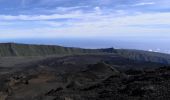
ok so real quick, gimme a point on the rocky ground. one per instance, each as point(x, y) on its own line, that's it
point(85, 77)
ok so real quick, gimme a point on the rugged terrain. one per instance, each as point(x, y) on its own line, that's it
point(38, 72)
point(29, 50)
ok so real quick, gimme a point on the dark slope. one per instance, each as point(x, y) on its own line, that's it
point(17, 50)
point(139, 55)
point(12, 49)
point(85, 77)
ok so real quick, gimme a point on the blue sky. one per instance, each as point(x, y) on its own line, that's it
point(137, 20)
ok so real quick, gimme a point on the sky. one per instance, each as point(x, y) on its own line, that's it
point(134, 24)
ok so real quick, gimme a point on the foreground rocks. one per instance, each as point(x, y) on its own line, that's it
point(72, 78)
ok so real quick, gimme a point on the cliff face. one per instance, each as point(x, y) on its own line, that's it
point(11, 49)
point(17, 50)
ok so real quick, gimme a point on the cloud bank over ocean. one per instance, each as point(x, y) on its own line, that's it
point(83, 19)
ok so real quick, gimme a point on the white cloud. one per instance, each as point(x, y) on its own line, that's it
point(72, 15)
point(98, 10)
point(70, 8)
point(90, 24)
point(144, 3)
point(39, 17)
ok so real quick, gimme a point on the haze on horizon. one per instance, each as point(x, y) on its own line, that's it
point(138, 24)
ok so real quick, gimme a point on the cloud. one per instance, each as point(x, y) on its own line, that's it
point(39, 17)
point(61, 13)
point(144, 3)
point(86, 21)
point(89, 25)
